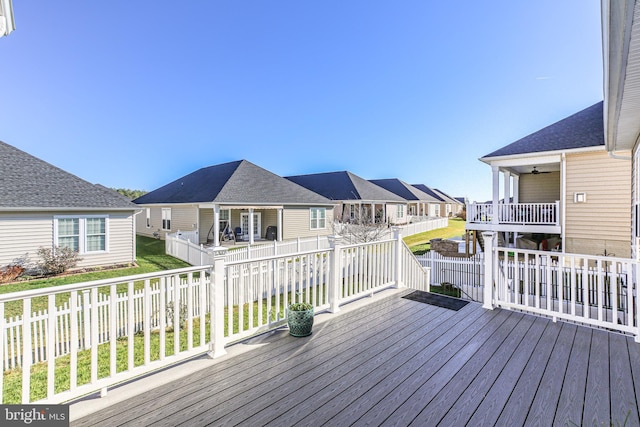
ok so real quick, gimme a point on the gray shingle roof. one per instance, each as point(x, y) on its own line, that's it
point(344, 185)
point(430, 191)
point(27, 182)
point(239, 182)
point(404, 190)
point(583, 129)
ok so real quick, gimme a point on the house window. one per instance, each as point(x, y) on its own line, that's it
point(318, 218)
point(69, 233)
point(166, 218)
point(225, 219)
point(352, 211)
point(400, 211)
point(82, 234)
point(148, 217)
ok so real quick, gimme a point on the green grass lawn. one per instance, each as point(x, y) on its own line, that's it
point(419, 243)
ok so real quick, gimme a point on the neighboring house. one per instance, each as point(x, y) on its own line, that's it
point(418, 202)
point(7, 23)
point(621, 55)
point(455, 207)
point(355, 198)
point(44, 206)
point(565, 191)
point(239, 197)
point(442, 205)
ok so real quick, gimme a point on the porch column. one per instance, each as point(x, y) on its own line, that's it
point(507, 186)
point(496, 193)
point(216, 226)
point(516, 188)
point(280, 224)
point(373, 213)
point(251, 226)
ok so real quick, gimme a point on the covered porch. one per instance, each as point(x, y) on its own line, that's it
point(228, 225)
point(526, 194)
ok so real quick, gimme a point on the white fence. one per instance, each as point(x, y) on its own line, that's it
point(91, 335)
point(425, 224)
point(465, 274)
point(179, 247)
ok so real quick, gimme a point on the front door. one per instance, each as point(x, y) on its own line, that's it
point(257, 226)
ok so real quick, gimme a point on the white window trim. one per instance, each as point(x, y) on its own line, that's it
point(162, 219)
point(318, 218)
point(400, 211)
point(82, 244)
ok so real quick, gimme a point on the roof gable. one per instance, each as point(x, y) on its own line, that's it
point(581, 130)
point(344, 186)
point(29, 182)
point(239, 182)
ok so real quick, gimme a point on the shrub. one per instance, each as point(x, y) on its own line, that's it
point(57, 260)
point(13, 270)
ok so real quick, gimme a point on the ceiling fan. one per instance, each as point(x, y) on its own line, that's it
point(535, 171)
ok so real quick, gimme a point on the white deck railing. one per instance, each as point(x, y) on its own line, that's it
point(89, 336)
point(515, 213)
point(593, 290)
point(463, 273)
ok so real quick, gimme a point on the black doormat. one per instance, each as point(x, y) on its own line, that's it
point(437, 300)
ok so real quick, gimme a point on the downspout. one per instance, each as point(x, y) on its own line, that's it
point(563, 201)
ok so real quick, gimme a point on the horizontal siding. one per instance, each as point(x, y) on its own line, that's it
point(604, 219)
point(21, 234)
point(540, 188)
point(184, 218)
point(25, 233)
point(296, 223)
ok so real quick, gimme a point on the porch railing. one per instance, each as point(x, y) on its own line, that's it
point(79, 338)
point(593, 290)
point(515, 213)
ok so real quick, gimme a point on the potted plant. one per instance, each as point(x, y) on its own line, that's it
point(300, 319)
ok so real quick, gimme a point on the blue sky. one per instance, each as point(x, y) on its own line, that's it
point(135, 94)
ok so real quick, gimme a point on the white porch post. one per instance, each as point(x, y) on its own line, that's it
point(516, 188)
point(496, 193)
point(216, 302)
point(397, 235)
point(489, 243)
point(251, 226)
point(280, 224)
point(373, 213)
point(216, 226)
point(334, 264)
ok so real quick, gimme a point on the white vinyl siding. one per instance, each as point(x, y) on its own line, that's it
point(603, 222)
point(148, 217)
point(295, 223)
point(24, 233)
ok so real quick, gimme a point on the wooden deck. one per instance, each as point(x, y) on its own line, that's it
point(401, 362)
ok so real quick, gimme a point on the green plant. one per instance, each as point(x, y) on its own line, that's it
point(300, 306)
point(57, 260)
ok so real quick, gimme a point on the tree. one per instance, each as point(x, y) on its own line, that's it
point(360, 229)
point(131, 194)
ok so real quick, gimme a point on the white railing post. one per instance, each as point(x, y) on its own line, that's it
point(636, 283)
point(335, 271)
point(86, 320)
point(397, 235)
point(216, 303)
point(489, 242)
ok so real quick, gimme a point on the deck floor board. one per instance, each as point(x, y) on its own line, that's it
point(397, 362)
